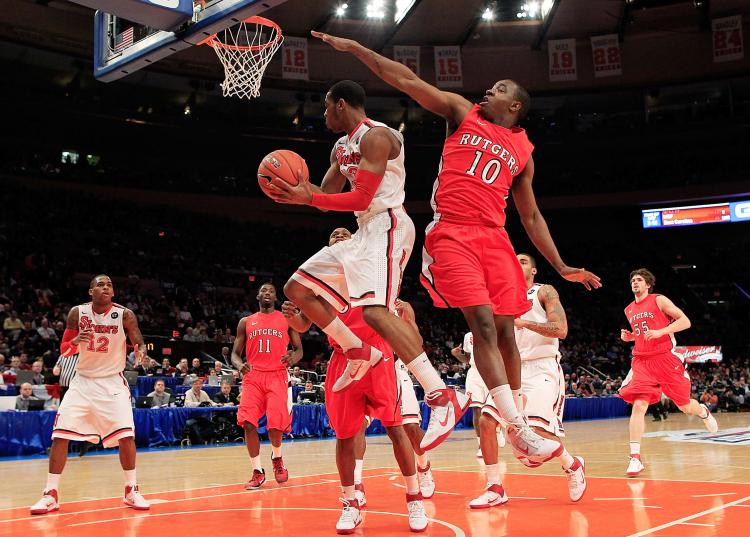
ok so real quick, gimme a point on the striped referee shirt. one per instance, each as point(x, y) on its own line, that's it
point(67, 365)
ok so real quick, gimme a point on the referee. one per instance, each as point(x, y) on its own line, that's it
point(65, 368)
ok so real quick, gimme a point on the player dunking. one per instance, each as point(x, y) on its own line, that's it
point(97, 404)
point(468, 260)
point(376, 395)
point(265, 336)
point(365, 271)
point(656, 368)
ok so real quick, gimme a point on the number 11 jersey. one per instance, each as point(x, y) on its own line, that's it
point(267, 340)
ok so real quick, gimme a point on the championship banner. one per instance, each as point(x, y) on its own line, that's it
point(294, 58)
point(727, 39)
point(408, 55)
point(448, 73)
point(700, 354)
point(562, 59)
point(605, 50)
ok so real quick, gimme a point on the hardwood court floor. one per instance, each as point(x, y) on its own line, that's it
point(688, 489)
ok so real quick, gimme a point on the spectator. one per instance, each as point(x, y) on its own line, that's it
point(15, 365)
point(165, 369)
point(47, 333)
point(189, 335)
point(217, 370)
point(3, 365)
point(225, 397)
point(182, 369)
point(22, 401)
point(144, 368)
point(226, 356)
point(160, 397)
point(195, 396)
point(12, 325)
point(196, 368)
point(38, 378)
point(296, 377)
point(308, 395)
point(710, 399)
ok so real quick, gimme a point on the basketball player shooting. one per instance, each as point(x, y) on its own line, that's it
point(96, 406)
point(468, 260)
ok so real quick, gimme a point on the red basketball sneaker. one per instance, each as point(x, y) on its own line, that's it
point(258, 478)
point(279, 471)
point(358, 363)
point(447, 406)
point(494, 495)
point(46, 504)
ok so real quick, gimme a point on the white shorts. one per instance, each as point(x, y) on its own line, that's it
point(95, 409)
point(476, 387)
point(365, 270)
point(409, 405)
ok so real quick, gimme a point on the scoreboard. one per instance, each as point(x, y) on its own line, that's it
point(692, 215)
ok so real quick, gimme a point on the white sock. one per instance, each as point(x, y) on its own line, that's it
point(505, 403)
point(425, 374)
point(342, 335)
point(518, 398)
point(347, 492)
point(275, 451)
point(479, 442)
point(358, 464)
point(53, 482)
point(493, 473)
point(256, 463)
point(566, 459)
point(412, 484)
point(635, 448)
point(130, 477)
point(703, 409)
point(423, 460)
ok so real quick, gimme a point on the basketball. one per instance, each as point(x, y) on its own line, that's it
point(284, 164)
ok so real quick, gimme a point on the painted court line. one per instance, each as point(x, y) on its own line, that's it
point(631, 498)
point(696, 524)
point(687, 518)
point(717, 494)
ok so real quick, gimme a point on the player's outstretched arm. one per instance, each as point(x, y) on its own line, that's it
point(557, 322)
point(238, 347)
point(296, 319)
point(537, 230)
point(680, 320)
point(295, 355)
point(451, 106)
point(130, 323)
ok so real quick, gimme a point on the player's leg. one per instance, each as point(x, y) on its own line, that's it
point(280, 473)
point(404, 453)
point(360, 446)
point(675, 384)
point(58, 456)
point(351, 516)
point(252, 441)
point(494, 493)
point(133, 497)
point(278, 411)
point(477, 413)
point(636, 427)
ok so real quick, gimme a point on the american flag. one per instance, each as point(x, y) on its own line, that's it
point(124, 40)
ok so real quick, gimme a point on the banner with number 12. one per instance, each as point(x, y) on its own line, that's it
point(294, 58)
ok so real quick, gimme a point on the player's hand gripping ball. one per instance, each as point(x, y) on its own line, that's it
point(282, 164)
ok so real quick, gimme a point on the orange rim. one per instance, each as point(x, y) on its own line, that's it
point(214, 42)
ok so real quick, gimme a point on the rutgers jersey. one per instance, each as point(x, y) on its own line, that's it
point(353, 320)
point(104, 355)
point(477, 168)
point(267, 340)
point(390, 193)
point(532, 346)
point(644, 316)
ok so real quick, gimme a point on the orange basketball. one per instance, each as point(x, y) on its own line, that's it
point(284, 164)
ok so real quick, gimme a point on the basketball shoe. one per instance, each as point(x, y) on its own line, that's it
point(358, 363)
point(709, 421)
point(46, 504)
point(417, 515)
point(635, 466)
point(447, 407)
point(134, 499)
point(494, 495)
point(528, 445)
point(359, 494)
point(279, 471)
point(426, 483)
point(257, 479)
point(576, 475)
point(351, 517)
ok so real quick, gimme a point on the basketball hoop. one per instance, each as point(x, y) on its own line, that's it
point(245, 50)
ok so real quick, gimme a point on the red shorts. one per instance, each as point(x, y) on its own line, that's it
point(376, 395)
point(466, 265)
point(266, 393)
point(649, 376)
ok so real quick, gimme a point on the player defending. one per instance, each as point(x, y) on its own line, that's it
point(655, 368)
point(366, 270)
point(468, 261)
point(266, 336)
point(96, 406)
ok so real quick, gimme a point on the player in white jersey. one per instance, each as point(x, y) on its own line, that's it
point(97, 405)
point(365, 271)
point(538, 334)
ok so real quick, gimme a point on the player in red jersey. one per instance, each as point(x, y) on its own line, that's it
point(266, 337)
point(656, 368)
point(376, 395)
point(468, 260)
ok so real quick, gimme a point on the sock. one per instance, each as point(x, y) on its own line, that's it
point(256, 463)
point(493, 473)
point(342, 335)
point(53, 482)
point(425, 374)
point(130, 477)
point(635, 448)
point(412, 484)
point(358, 463)
point(703, 409)
point(423, 460)
point(275, 451)
point(566, 459)
point(479, 443)
point(503, 398)
point(518, 399)
point(347, 492)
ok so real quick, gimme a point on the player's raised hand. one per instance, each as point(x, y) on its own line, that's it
point(289, 309)
point(339, 43)
point(626, 335)
point(588, 279)
point(282, 192)
point(289, 359)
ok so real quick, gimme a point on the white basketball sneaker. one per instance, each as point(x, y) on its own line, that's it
point(358, 363)
point(447, 407)
point(479, 453)
point(635, 466)
point(417, 516)
point(351, 517)
point(527, 444)
point(709, 421)
point(46, 504)
point(494, 495)
point(426, 483)
point(576, 479)
point(134, 499)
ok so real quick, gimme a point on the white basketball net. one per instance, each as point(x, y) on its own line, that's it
point(244, 51)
